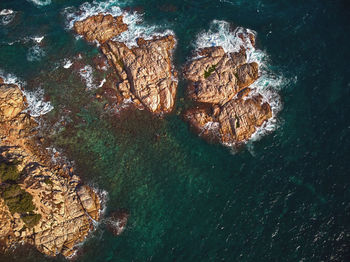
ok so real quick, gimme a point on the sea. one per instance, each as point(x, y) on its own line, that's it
point(284, 195)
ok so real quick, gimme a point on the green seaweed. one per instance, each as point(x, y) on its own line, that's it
point(48, 181)
point(31, 219)
point(8, 172)
point(210, 70)
point(17, 199)
point(21, 202)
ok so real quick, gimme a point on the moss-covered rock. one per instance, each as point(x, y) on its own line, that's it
point(17, 199)
point(31, 219)
point(8, 172)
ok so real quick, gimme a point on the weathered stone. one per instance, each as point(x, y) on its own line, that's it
point(66, 207)
point(100, 27)
point(145, 73)
point(239, 118)
point(221, 80)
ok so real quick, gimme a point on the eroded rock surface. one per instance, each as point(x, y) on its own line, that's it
point(227, 108)
point(100, 27)
point(145, 72)
point(66, 208)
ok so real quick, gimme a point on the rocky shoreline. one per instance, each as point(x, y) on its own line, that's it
point(41, 204)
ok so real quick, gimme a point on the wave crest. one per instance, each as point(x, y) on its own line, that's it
point(40, 2)
point(37, 106)
point(6, 16)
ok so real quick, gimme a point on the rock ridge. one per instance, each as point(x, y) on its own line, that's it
point(145, 72)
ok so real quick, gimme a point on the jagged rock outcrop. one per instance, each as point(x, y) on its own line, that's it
point(100, 27)
point(66, 208)
point(218, 82)
point(145, 73)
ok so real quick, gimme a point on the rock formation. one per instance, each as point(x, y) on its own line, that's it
point(145, 73)
point(100, 27)
point(227, 108)
point(116, 222)
point(60, 210)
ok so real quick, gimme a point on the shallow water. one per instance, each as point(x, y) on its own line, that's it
point(284, 197)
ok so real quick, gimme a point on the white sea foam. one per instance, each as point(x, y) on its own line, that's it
point(35, 53)
point(67, 63)
point(268, 84)
point(36, 104)
point(11, 79)
point(211, 126)
point(134, 20)
point(37, 39)
point(6, 16)
point(6, 12)
point(103, 196)
point(40, 2)
point(35, 99)
point(102, 82)
point(220, 34)
point(86, 75)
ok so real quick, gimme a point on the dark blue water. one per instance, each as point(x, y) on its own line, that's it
point(285, 197)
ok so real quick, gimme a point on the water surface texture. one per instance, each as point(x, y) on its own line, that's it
point(284, 197)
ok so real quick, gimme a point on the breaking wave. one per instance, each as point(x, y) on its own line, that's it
point(67, 63)
point(40, 2)
point(86, 73)
point(35, 53)
point(6, 16)
point(35, 99)
point(36, 104)
point(134, 20)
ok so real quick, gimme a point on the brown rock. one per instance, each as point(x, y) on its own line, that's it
point(240, 117)
point(215, 77)
point(145, 73)
point(67, 208)
point(11, 102)
point(247, 74)
point(221, 80)
point(100, 27)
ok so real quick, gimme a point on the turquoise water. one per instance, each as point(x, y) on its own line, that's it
point(283, 198)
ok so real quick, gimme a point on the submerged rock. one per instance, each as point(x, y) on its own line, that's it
point(218, 81)
point(116, 222)
point(145, 72)
point(61, 210)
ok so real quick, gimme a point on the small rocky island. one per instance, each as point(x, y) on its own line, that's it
point(41, 204)
point(226, 109)
point(145, 73)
